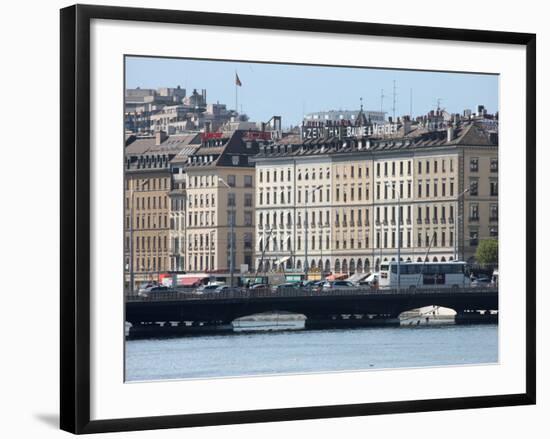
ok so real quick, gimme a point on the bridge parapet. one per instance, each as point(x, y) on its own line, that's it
point(268, 293)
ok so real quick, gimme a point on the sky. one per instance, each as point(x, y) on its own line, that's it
point(291, 91)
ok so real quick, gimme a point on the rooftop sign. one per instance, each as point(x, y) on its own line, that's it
point(374, 130)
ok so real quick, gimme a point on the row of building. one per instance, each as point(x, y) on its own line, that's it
point(336, 196)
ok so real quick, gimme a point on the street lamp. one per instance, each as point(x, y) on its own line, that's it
point(210, 262)
point(456, 222)
point(394, 188)
point(306, 268)
point(231, 264)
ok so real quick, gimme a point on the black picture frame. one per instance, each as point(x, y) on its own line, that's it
point(75, 217)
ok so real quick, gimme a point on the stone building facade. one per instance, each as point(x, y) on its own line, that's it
point(333, 202)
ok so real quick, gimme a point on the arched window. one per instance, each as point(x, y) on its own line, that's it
point(359, 266)
point(352, 266)
point(434, 259)
point(419, 259)
point(367, 266)
point(299, 264)
point(312, 265)
point(327, 266)
point(337, 268)
point(443, 259)
point(345, 266)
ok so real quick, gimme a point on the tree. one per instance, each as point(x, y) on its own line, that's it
point(487, 251)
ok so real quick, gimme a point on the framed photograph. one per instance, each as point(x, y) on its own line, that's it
point(272, 218)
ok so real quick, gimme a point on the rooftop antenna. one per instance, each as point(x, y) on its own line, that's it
point(394, 100)
point(382, 96)
point(439, 103)
point(411, 103)
point(361, 99)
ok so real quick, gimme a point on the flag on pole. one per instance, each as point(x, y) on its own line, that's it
point(237, 80)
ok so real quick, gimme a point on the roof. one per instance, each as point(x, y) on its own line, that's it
point(185, 143)
point(419, 137)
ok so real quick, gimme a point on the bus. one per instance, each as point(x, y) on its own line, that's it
point(452, 274)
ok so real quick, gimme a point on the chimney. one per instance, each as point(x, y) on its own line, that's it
point(450, 134)
point(160, 136)
point(406, 126)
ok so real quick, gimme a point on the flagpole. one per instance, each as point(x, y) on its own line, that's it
point(236, 94)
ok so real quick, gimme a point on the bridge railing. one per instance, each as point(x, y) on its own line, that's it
point(243, 293)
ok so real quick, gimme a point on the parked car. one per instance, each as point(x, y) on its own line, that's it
point(481, 281)
point(152, 291)
point(210, 288)
point(338, 285)
point(286, 286)
point(314, 285)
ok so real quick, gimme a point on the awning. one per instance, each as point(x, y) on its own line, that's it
point(190, 281)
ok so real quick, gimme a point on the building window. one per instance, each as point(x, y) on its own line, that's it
point(231, 179)
point(473, 238)
point(427, 167)
point(474, 212)
point(493, 212)
point(474, 164)
point(494, 165)
point(419, 167)
point(248, 181)
point(231, 199)
point(247, 218)
point(494, 188)
point(473, 188)
point(247, 200)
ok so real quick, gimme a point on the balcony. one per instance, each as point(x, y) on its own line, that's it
point(473, 218)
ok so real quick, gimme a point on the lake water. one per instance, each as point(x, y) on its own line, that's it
point(291, 351)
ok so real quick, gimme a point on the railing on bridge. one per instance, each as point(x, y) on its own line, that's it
point(243, 293)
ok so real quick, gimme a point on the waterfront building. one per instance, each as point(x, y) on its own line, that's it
point(219, 180)
point(148, 217)
point(331, 199)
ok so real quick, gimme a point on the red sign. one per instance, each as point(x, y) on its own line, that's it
point(254, 135)
point(207, 136)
